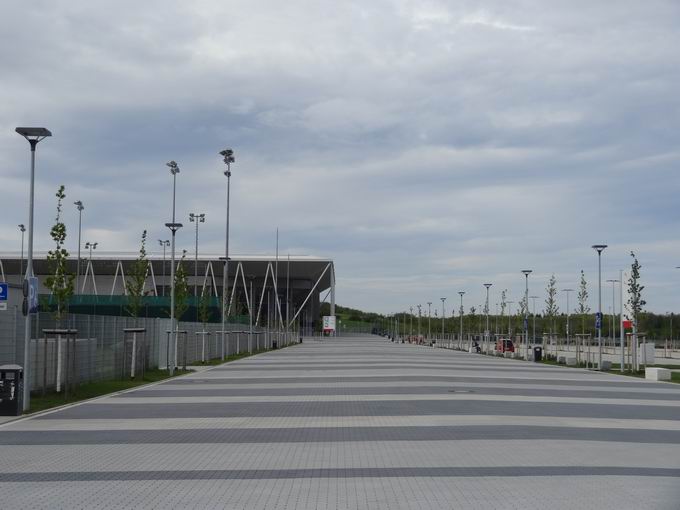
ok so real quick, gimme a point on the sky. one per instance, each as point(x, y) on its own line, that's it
point(427, 147)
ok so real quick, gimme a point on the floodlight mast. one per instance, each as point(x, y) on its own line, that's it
point(196, 218)
point(228, 158)
point(80, 207)
point(174, 227)
point(34, 135)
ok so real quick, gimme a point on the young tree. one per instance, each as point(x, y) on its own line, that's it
point(504, 302)
point(551, 308)
point(204, 310)
point(136, 279)
point(635, 301)
point(181, 290)
point(471, 318)
point(60, 281)
point(583, 308)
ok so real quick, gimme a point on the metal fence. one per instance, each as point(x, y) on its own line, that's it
point(101, 349)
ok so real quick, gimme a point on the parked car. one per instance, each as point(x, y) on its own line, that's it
point(505, 345)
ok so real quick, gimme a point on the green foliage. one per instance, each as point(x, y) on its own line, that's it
point(635, 301)
point(136, 279)
point(504, 301)
point(204, 309)
point(583, 308)
point(551, 308)
point(181, 290)
point(60, 281)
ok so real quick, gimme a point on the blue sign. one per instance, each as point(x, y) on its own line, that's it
point(598, 320)
point(526, 324)
point(3, 292)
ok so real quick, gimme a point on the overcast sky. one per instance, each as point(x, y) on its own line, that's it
point(426, 147)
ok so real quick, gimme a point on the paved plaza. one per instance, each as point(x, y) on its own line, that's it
point(356, 423)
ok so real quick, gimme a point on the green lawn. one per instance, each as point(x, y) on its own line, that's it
point(97, 389)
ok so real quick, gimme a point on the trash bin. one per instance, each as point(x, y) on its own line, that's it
point(274, 344)
point(11, 390)
point(538, 354)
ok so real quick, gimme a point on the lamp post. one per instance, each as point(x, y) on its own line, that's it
point(526, 273)
point(419, 314)
point(598, 323)
point(429, 316)
point(33, 135)
point(22, 228)
point(174, 227)
point(568, 313)
point(228, 158)
point(462, 313)
point(196, 218)
point(80, 207)
point(443, 316)
point(613, 329)
point(486, 311)
point(90, 246)
point(411, 319)
point(534, 298)
point(164, 243)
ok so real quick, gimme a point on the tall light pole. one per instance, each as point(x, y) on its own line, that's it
point(613, 329)
point(486, 310)
point(462, 313)
point(429, 316)
point(568, 313)
point(174, 227)
point(90, 246)
point(228, 158)
point(33, 135)
point(22, 228)
point(443, 316)
point(419, 314)
point(164, 243)
point(196, 218)
point(526, 273)
point(534, 298)
point(598, 323)
point(80, 207)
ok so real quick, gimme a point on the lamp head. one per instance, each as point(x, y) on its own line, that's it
point(228, 156)
point(79, 205)
point(33, 134)
point(526, 272)
point(599, 247)
point(174, 168)
point(487, 285)
point(22, 227)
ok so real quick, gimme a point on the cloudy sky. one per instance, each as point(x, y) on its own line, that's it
point(426, 146)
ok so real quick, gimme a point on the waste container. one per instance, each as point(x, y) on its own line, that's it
point(274, 344)
point(11, 390)
point(538, 354)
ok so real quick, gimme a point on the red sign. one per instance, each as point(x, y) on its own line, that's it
point(627, 324)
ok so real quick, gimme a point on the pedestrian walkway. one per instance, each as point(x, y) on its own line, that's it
point(356, 423)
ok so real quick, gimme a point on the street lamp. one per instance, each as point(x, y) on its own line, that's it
point(568, 313)
point(526, 273)
point(419, 310)
point(443, 315)
point(196, 218)
point(462, 312)
point(534, 298)
point(613, 329)
point(174, 227)
point(228, 158)
point(598, 323)
point(80, 207)
point(34, 135)
point(429, 315)
point(486, 310)
point(91, 246)
point(164, 243)
point(22, 228)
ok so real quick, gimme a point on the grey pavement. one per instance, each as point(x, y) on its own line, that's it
point(356, 423)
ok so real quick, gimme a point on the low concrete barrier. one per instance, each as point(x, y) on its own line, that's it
point(508, 354)
point(562, 360)
point(571, 362)
point(657, 374)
